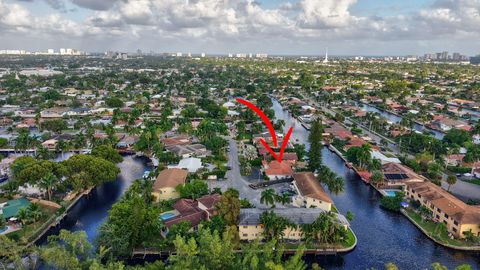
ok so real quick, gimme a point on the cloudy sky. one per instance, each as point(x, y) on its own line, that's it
point(346, 27)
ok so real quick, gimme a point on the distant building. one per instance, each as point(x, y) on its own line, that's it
point(475, 60)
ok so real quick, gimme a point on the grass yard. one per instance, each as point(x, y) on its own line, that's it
point(432, 229)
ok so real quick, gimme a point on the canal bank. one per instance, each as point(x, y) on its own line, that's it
point(383, 236)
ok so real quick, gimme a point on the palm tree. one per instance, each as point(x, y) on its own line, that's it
point(48, 183)
point(34, 212)
point(451, 180)
point(268, 197)
point(284, 198)
point(23, 215)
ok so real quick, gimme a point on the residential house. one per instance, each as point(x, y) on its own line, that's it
point(193, 211)
point(50, 144)
point(166, 182)
point(310, 192)
point(188, 150)
point(458, 216)
point(250, 226)
point(275, 170)
point(396, 174)
point(11, 208)
point(57, 112)
point(454, 159)
point(192, 165)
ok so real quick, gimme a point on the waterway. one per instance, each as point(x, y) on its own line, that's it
point(396, 119)
point(91, 211)
point(382, 236)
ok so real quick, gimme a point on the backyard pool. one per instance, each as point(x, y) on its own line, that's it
point(390, 192)
point(167, 215)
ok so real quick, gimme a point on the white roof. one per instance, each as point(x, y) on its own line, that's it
point(228, 104)
point(383, 158)
point(191, 164)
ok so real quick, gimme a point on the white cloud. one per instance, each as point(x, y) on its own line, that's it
point(235, 22)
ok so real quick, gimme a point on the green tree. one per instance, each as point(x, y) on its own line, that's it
point(93, 170)
point(451, 180)
point(377, 178)
point(274, 225)
point(193, 190)
point(107, 152)
point(68, 250)
point(268, 197)
point(315, 140)
point(229, 207)
point(48, 183)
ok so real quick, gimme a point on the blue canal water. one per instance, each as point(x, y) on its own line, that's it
point(90, 212)
point(396, 119)
point(383, 236)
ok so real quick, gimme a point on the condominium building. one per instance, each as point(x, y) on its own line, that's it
point(458, 216)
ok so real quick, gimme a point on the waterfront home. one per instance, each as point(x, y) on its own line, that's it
point(50, 144)
point(188, 150)
point(166, 182)
point(458, 216)
point(192, 165)
point(384, 159)
point(193, 211)
point(398, 175)
point(250, 226)
point(10, 208)
point(275, 170)
point(446, 124)
point(310, 192)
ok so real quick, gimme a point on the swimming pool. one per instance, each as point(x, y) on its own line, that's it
point(390, 193)
point(167, 215)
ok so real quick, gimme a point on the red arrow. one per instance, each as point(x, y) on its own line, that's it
point(271, 129)
point(279, 158)
point(264, 118)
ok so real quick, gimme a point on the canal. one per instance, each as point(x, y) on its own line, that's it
point(91, 211)
point(382, 236)
point(396, 119)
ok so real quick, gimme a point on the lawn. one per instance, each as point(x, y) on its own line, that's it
point(430, 227)
point(30, 231)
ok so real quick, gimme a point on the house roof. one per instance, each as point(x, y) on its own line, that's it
point(447, 203)
point(189, 210)
point(398, 172)
point(170, 178)
point(251, 216)
point(276, 168)
point(11, 208)
point(309, 186)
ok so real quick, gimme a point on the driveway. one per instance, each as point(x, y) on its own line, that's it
point(235, 180)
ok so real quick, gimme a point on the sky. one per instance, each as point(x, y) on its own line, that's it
point(280, 27)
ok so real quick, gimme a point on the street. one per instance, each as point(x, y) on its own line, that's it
point(235, 180)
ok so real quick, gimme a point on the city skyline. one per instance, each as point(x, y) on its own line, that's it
point(294, 27)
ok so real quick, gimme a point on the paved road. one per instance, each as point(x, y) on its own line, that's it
point(464, 190)
point(235, 180)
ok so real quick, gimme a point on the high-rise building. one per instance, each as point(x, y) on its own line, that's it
point(475, 60)
point(202, 55)
point(50, 51)
point(326, 56)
